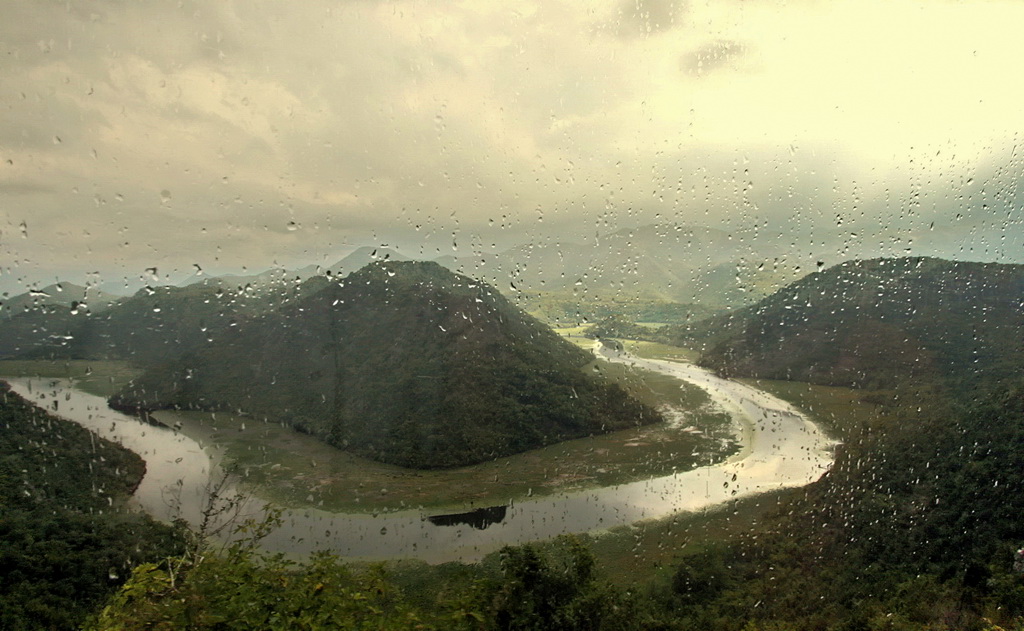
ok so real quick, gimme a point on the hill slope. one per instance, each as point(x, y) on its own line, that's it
point(66, 540)
point(875, 323)
point(403, 362)
point(916, 525)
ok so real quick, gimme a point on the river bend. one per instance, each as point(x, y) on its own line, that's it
point(780, 448)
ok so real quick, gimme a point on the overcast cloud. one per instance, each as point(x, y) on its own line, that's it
point(226, 135)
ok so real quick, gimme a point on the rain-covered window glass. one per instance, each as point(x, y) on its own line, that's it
point(629, 314)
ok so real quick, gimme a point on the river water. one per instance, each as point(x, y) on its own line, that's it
point(780, 448)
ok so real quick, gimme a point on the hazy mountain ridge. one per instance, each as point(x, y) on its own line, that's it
point(281, 279)
point(56, 295)
point(152, 325)
point(403, 362)
point(652, 267)
point(664, 262)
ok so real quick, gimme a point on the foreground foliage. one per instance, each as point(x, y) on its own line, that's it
point(533, 588)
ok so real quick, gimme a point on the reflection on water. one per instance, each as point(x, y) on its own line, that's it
point(480, 518)
point(781, 448)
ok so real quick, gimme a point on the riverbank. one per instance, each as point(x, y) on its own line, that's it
point(786, 450)
point(292, 469)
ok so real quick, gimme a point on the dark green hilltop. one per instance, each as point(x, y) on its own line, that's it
point(403, 362)
point(875, 323)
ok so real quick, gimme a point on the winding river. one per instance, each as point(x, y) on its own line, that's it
point(780, 448)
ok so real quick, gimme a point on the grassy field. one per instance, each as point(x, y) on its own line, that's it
point(656, 350)
point(840, 412)
point(294, 469)
point(102, 378)
point(634, 555)
point(575, 335)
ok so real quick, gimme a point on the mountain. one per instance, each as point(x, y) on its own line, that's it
point(363, 256)
point(656, 262)
point(144, 328)
point(58, 294)
point(153, 324)
point(916, 524)
point(403, 362)
point(875, 323)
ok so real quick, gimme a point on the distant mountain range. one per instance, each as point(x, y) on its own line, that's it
point(57, 295)
point(651, 273)
point(664, 262)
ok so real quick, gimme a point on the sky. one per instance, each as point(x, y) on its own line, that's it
point(160, 140)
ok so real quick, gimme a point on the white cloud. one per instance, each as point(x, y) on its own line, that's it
point(397, 120)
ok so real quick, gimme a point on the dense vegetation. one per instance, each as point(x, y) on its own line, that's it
point(917, 523)
point(66, 540)
point(876, 323)
point(401, 362)
point(146, 328)
point(916, 527)
point(554, 587)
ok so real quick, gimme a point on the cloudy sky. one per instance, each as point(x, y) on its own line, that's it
point(227, 135)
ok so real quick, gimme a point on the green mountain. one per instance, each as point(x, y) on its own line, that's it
point(917, 523)
point(874, 324)
point(149, 327)
point(403, 362)
point(146, 327)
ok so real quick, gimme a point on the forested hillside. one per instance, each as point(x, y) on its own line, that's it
point(402, 362)
point(917, 525)
point(146, 328)
point(66, 539)
point(874, 324)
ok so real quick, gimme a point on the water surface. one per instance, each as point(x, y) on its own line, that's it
point(781, 448)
